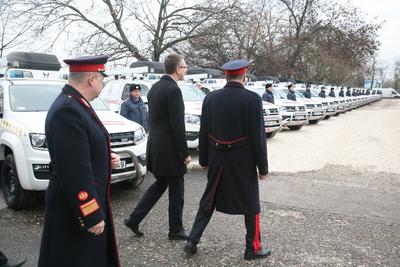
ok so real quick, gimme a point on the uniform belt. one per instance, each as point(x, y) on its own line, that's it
point(228, 144)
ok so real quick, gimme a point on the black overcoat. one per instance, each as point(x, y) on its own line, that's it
point(291, 96)
point(77, 197)
point(232, 115)
point(268, 97)
point(166, 145)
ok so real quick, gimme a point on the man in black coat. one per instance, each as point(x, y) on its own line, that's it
point(291, 94)
point(232, 146)
point(78, 226)
point(167, 151)
point(307, 92)
point(268, 96)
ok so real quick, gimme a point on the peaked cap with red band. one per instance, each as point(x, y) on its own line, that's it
point(88, 64)
point(238, 66)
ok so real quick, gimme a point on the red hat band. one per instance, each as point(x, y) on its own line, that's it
point(238, 71)
point(86, 68)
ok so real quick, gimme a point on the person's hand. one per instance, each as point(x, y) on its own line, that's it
point(115, 160)
point(97, 229)
point(262, 177)
point(187, 160)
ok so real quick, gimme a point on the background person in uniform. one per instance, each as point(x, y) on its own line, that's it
point(232, 146)
point(134, 108)
point(291, 95)
point(78, 226)
point(348, 92)
point(307, 92)
point(268, 95)
point(322, 92)
point(332, 92)
point(354, 93)
point(341, 93)
point(167, 151)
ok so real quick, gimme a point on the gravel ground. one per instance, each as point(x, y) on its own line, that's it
point(338, 208)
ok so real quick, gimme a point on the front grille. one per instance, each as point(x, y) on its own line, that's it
point(122, 139)
point(291, 109)
point(273, 111)
point(301, 108)
point(191, 136)
point(310, 105)
point(319, 105)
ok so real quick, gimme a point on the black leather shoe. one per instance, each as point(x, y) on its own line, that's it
point(134, 228)
point(190, 248)
point(262, 253)
point(178, 236)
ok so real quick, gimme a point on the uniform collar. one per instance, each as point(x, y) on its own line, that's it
point(68, 89)
point(234, 84)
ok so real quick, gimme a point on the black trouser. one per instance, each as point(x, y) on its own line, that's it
point(253, 237)
point(154, 192)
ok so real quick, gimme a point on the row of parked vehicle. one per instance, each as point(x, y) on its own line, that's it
point(27, 94)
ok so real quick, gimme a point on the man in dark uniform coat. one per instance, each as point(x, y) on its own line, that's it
point(341, 93)
point(354, 93)
point(78, 227)
point(307, 92)
point(291, 95)
point(332, 92)
point(232, 146)
point(268, 95)
point(167, 151)
point(322, 92)
point(348, 92)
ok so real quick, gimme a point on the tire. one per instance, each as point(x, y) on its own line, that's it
point(313, 122)
point(271, 134)
point(295, 127)
point(16, 197)
point(132, 183)
point(327, 117)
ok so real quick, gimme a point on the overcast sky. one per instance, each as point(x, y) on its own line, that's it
point(389, 34)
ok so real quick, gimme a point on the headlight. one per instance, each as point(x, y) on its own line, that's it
point(139, 135)
point(266, 111)
point(192, 119)
point(282, 109)
point(38, 141)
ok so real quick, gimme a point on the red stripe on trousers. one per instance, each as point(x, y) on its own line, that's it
point(256, 240)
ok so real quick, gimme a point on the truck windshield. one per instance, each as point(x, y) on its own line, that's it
point(39, 97)
point(191, 93)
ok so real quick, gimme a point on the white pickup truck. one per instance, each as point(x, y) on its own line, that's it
point(23, 150)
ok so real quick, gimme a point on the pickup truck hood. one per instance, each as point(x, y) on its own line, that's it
point(33, 122)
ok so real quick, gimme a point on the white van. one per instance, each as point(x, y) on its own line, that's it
point(386, 92)
point(117, 91)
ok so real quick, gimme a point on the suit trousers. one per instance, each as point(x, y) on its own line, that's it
point(252, 222)
point(176, 188)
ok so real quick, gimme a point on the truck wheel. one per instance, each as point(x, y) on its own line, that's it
point(313, 122)
point(16, 197)
point(132, 182)
point(271, 134)
point(295, 127)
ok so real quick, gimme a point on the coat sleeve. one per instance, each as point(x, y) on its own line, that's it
point(257, 135)
point(203, 135)
point(124, 110)
point(176, 112)
point(74, 170)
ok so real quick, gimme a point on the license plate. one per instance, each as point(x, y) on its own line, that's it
point(122, 165)
point(269, 123)
point(299, 117)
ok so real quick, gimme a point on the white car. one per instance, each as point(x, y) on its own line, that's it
point(24, 156)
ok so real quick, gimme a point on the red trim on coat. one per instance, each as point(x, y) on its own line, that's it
point(256, 240)
point(225, 142)
point(215, 186)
